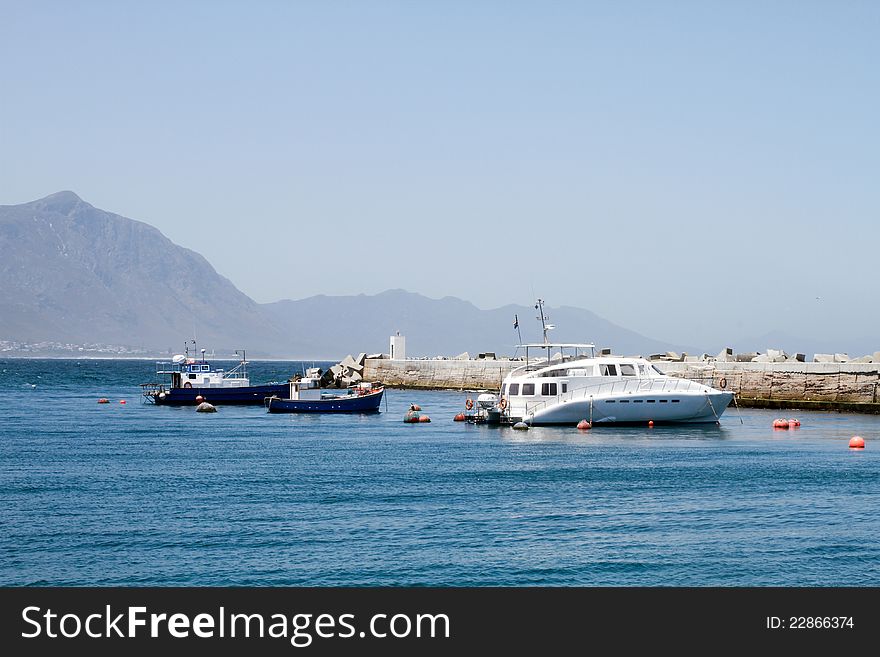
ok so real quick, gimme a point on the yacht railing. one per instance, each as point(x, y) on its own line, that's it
point(619, 387)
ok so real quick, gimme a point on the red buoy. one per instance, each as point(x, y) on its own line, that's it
point(583, 425)
point(794, 422)
point(780, 423)
point(424, 418)
point(857, 442)
point(459, 418)
point(199, 399)
point(103, 400)
point(121, 401)
point(650, 423)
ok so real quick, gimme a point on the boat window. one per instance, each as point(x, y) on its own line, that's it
point(643, 371)
point(190, 376)
point(663, 401)
point(564, 387)
point(206, 368)
point(627, 369)
point(554, 373)
point(528, 389)
point(514, 389)
point(587, 371)
point(654, 367)
point(548, 389)
point(608, 370)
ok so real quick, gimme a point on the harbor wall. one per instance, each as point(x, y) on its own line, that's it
point(823, 386)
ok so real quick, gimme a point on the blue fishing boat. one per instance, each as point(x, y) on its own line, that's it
point(306, 396)
point(189, 381)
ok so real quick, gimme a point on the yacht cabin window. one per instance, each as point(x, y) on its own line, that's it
point(608, 369)
point(514, 389)
point(626, 369)
point(528, 388)
point(564, 387)
point(548, 389)
point(206, 368)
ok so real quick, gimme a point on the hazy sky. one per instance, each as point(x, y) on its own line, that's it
point(695, 171)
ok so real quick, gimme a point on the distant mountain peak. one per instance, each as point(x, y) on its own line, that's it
point(63, 202)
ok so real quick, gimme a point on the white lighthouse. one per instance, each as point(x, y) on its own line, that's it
point(398, 347)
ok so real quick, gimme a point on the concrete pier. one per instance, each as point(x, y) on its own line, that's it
point(852, 387)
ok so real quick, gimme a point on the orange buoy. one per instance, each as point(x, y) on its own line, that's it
point(857, 442)
point(424, 418)
point(780, 423)
point(199, 399)
point(121, 401)
point(103, 400)
point(794, 422)
point(583, 425)
point(459, 418)
point(650, 423)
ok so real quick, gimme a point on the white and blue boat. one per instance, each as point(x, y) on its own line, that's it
point(306, 396)
point(187, 379)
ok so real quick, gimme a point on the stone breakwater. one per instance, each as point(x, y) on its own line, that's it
point(820, 386)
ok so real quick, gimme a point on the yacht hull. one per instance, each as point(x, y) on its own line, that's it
point(682, 408)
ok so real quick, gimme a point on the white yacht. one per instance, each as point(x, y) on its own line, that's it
point(565, 388)
point(602, 389)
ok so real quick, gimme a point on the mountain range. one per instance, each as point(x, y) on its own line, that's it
point(75, 274)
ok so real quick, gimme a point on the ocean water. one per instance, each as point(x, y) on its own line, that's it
point(135, 494)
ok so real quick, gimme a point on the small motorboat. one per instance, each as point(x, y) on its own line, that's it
point(305, 395)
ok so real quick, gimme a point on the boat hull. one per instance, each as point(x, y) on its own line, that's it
point(243, 395)
point(368, 403)
point(688, 408)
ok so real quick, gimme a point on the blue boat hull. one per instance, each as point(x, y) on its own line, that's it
point(247, 395)
point(368, 403)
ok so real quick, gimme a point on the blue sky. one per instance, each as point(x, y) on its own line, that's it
point(695, 171)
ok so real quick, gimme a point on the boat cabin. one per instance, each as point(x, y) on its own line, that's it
point(192, 373)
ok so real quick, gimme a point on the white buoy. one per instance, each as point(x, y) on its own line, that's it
point(521, 426)
point(205, 407)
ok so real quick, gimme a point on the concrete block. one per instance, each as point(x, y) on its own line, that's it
point(725, 355)
point(877, 356)
point(746, 357)
point(463, 356)
point(671, 355)
point(376, 356)
point(863, 359)
point(361, 358)
point(823, 358)
point(761, 358)
point(656, 356)
point(841, 358)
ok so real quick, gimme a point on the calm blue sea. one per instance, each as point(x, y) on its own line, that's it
point(141, 495)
